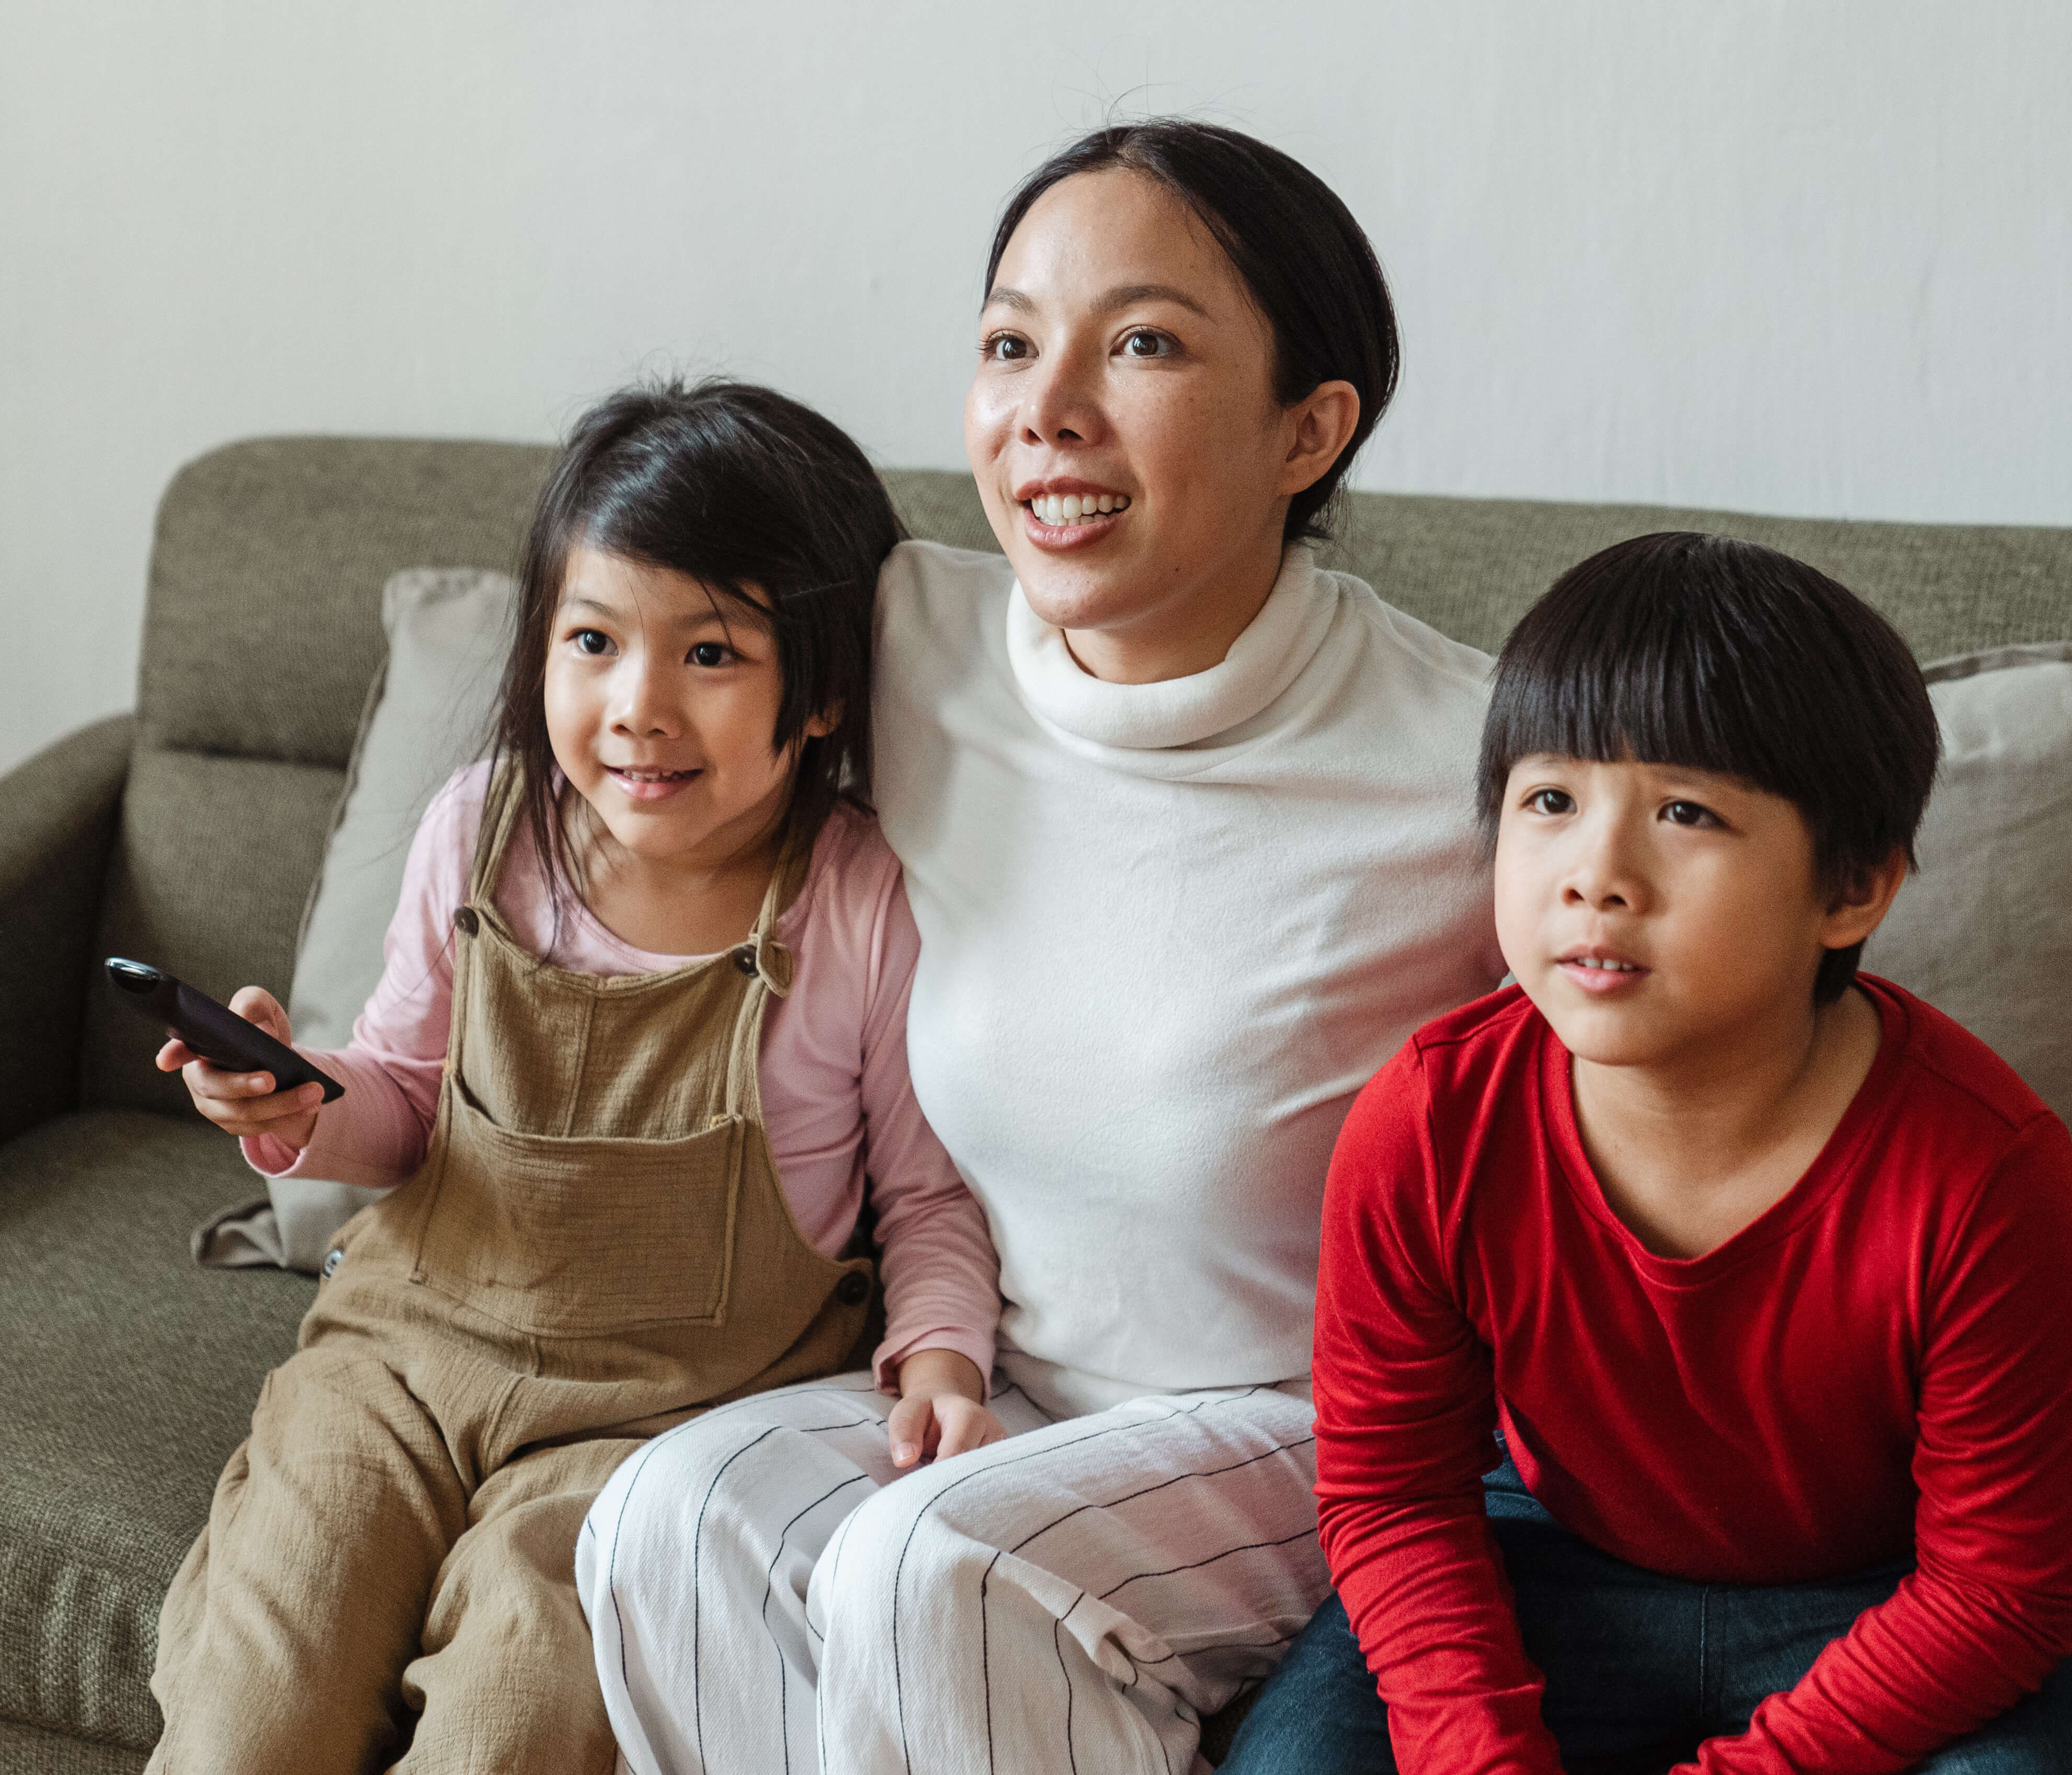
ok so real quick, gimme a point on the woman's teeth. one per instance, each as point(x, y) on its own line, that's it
point(1076, 507)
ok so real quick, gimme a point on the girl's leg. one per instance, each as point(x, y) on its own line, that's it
point(282, 1643)
point(506, 1680)
point(1074, 1598)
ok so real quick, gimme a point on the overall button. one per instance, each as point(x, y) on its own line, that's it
point(852, 1291)
point(467, 922)
point(744, 959)
point(332, 1258)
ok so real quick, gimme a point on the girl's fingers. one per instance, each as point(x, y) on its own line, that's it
point(908, 1429)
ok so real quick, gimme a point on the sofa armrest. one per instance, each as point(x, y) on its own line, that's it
point(58, 818)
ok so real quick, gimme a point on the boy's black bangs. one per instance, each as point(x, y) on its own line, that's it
point(1631, 665)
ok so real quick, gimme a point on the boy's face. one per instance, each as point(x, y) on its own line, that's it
point(1655, 914)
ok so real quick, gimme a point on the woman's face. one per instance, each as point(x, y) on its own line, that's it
point(1123, 364)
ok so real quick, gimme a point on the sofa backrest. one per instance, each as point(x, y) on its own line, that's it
point(262, 637)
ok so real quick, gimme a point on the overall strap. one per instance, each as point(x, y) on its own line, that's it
point(769, 967)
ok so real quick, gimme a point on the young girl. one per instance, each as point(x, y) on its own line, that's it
point(641, 1032)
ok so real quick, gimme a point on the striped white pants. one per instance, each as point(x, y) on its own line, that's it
point(768, 1598)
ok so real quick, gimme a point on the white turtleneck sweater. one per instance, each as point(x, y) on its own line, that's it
point(1168, 930)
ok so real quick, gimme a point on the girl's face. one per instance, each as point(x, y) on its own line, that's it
point(1125, 367)
point(661, 710)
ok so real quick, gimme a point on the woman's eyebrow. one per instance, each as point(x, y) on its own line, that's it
point(1122, 296)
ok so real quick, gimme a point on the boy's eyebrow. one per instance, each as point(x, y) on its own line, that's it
point(1121, 296)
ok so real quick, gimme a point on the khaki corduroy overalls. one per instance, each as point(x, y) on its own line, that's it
point(596, 1247)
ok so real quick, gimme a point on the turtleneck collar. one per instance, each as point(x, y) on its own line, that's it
point(1262, 662)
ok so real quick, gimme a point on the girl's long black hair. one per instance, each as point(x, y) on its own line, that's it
point(761, 500)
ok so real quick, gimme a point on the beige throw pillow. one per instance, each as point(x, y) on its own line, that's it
point(1984, 932)
point(428, 714)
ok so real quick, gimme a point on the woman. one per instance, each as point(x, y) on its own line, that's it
point(1186, 827)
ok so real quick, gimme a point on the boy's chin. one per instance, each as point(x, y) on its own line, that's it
point(1626, 1032)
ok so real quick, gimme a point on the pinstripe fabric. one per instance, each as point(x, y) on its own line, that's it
point(767, 1599)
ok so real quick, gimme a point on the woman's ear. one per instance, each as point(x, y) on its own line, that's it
point(1320, 426)
point(1862, 900)
point(818, 726)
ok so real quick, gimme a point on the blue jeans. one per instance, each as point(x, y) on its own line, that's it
point(1640, 1668)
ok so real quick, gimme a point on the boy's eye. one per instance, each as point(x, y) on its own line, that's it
point(591, 641)
point(1004, 347)
point(1687, 813)
point(1551, 801)
point(708, 653)
point(1144, 342)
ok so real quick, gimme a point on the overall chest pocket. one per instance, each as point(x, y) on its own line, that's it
point(577, 1236)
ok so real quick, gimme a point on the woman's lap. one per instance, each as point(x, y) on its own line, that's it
point(1162, 1553)
point(1627, 1692)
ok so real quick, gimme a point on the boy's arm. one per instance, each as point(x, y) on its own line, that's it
point(1405, 1413)
point(1988, 1614)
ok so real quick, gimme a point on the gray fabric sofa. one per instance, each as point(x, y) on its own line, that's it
point(188, 834)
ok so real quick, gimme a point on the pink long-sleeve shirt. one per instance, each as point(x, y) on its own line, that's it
point(836, 1101)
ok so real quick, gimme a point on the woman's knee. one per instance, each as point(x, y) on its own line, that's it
point(716, 1490)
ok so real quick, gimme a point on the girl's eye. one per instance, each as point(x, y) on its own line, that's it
point(591, 641)
point(708, 653)
point(1144, 343)
point(1004, 347)
point(1551, 801)
point(1688, 813)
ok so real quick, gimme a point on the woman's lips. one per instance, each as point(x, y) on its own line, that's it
point(1088, 523)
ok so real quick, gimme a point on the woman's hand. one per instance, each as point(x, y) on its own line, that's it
point(938, 1413)
point(246, 1104)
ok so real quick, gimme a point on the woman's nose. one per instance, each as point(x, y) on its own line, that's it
point(1060, 401)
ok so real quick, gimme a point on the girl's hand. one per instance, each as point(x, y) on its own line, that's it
point(246, 1104)
point(938, 1413)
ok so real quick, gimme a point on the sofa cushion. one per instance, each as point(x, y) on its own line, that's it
point(129, 1378)
point(1983, 931)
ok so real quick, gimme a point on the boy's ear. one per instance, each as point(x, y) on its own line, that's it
point(1860, 904)
point(820, 726)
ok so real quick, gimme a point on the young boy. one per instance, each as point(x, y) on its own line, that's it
point(1762, 1270)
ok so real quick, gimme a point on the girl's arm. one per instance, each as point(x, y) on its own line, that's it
point(942, 1276)
point(376, 1134)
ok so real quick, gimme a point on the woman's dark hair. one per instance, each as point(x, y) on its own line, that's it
point(763, 502)
point(1309, 266)
point(1727, 656)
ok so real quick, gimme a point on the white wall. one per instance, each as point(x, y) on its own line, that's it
point(1803, 257)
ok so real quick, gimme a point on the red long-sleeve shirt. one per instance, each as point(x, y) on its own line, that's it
point(1876, 1365)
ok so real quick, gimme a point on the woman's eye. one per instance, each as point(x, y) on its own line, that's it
point(1004, 347)
point(1144, 343)
point(1550, 801)
point(591, 641)
point(708, 653)
point(1688, 813)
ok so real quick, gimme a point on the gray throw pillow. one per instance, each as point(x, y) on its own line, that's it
point(427, 714)
point(1984, 932)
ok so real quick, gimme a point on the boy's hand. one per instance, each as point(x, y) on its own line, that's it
point(938, 1413)
point(246, 1104)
